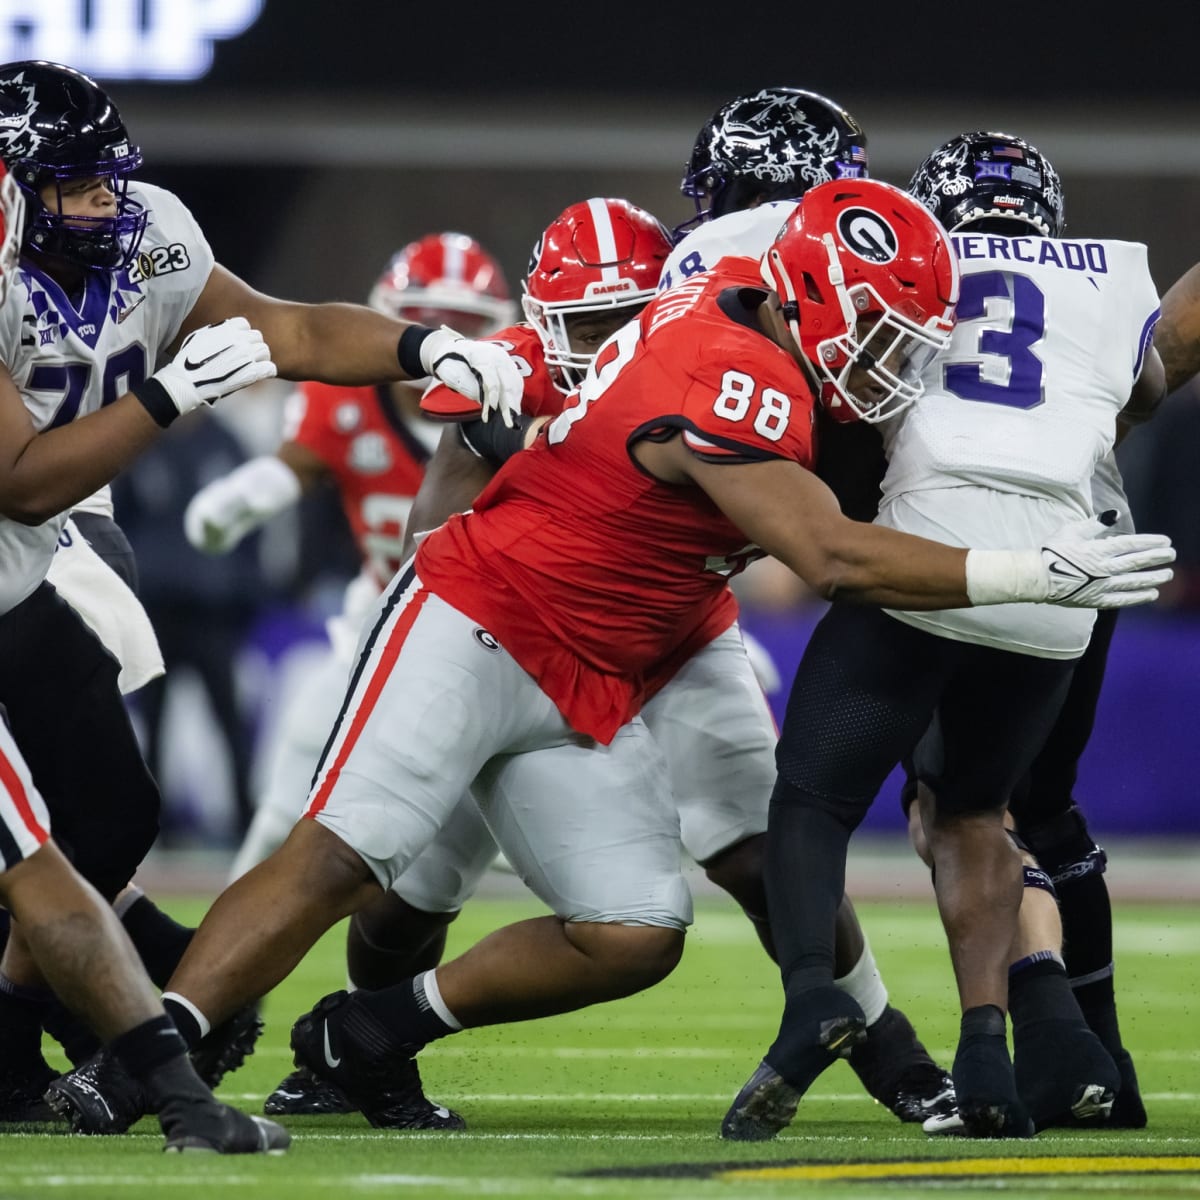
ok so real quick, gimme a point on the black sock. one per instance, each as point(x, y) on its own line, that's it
point(405, 1011)
point(184, 1021)
point(148, 1046)
point(1039, 991)
point(982, 1022)
point(160, 940)
point(22, 1010)
point(77, 1040)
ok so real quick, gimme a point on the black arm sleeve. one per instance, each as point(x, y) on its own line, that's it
point(493, 441)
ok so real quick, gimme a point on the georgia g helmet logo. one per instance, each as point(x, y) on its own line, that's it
point(866, 234)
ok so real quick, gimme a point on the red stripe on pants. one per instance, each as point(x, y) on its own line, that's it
point(387, 660)
point(11, 782)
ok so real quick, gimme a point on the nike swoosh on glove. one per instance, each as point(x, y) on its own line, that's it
point(1088, 567)
point(481, 371)
point(213, 361)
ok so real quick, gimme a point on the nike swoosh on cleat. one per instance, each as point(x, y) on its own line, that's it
point(333, 1062)
point(441, 1112)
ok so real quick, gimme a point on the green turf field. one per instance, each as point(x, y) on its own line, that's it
point(625, 1100)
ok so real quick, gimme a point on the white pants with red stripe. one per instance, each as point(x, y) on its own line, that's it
point(715, 728)
point(437, 708)
point(24, 821)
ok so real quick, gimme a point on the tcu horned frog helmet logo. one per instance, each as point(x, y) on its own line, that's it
point(978, 176)
point(868, 281)
point(774, 144)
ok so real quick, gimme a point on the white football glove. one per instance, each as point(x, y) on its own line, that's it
point(213, 361)
point(481, 371)
point(220, 514)
point(1087, 567)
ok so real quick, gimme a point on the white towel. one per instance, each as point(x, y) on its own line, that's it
point(108, 607)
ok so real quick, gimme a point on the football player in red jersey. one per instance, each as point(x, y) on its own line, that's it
point(373, 443)
point(594, 267)
point(512, 656)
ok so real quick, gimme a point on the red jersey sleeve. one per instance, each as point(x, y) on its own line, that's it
point(748, 413)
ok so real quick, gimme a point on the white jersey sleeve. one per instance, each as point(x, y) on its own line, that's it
point(71, 355)
point(746, 234)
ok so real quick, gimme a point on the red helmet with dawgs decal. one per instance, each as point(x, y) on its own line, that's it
point(445, 279)
point(596, 256)
point(12, 214)
point(869, 279)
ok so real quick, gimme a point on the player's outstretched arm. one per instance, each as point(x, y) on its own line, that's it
point(792, 515)
point(223, 512)
point(45, 473)
point(353, 345)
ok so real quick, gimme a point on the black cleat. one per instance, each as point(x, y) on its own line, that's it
point(1065, 1077)
point(1128, 1111)
point(98, 1097)
point(988, 1103)
point(215, 1128)
point(22, 1094)
point(343, 1044)
point(818, 1027)
point(899, 1073)
point(302, 1094)
point(227, 1046)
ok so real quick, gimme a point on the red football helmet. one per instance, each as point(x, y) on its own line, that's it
point(12, 217)
point(596, 256)
point(867, 278)
point(445, 279)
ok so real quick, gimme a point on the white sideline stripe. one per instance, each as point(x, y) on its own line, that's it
point(477, 1052)
point(655, 1097)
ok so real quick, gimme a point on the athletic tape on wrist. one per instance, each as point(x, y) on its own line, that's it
point(156, 400)
point(408, 351)
point(1005, 576)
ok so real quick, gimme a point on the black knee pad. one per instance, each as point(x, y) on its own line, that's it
point(1065, 848)
point(1035, 877)
point(846, 810)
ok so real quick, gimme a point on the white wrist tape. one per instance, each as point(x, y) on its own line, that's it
point(1006, 577)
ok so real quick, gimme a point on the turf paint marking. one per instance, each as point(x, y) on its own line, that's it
point(970, 1168)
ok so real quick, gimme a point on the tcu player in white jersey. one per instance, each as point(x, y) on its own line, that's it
point(1052, 347)
point(121, 315)
point(373, 444)
point(750, 165)
point(71, 937)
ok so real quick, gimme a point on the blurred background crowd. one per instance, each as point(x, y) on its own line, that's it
point(313, 139)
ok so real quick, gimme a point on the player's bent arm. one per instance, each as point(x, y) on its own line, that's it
point(453, 478)
point(44, 474)
point(226, 510)
point(1149, 391)
point(1177, 336)
point(792, 515)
